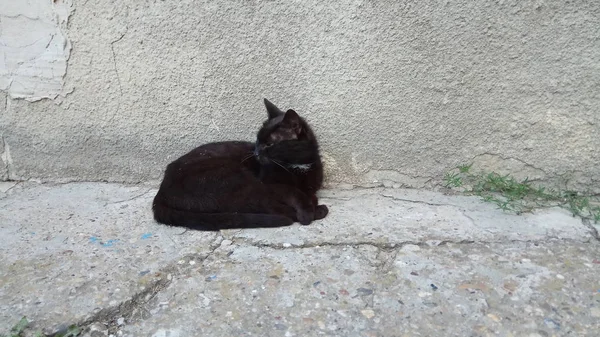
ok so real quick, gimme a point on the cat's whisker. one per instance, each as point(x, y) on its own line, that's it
point(248, 157)
point(280, 165)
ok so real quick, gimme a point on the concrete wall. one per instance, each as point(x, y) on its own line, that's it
point(398, 91)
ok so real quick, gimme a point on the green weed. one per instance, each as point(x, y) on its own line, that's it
point(453, 180)
point(19, 328)
point(72, 331)
point(519, 196)
point(464, 168)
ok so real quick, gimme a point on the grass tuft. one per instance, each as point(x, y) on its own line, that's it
point(516, 196)
point(18, 329)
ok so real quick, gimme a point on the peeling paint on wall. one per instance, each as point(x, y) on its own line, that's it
point(34, 48)
point(6, 159)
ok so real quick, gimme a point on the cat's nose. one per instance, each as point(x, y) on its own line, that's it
point(263, 160)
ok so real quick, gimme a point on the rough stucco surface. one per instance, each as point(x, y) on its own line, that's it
point(398, 92)
point(35, 50)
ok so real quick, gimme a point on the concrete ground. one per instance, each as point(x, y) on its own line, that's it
point(385, 262)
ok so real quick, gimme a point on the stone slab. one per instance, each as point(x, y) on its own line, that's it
point(391, 217)
point(91, 254)
point(70, 250)
point(513, 289)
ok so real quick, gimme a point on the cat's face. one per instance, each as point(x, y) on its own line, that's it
point(285, 140)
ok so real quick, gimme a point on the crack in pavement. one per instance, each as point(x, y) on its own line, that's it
point(127, 309)
point(130, 199)
point(394, 246)
point(388, 247)
point(388, 196)
point(415, 201)
point(585, 221)
point(17, 183)
point(133, 309)
point(593, 229)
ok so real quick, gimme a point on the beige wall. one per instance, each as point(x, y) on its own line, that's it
point(398, 91)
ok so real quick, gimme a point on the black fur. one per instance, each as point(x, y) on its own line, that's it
point(269, 183)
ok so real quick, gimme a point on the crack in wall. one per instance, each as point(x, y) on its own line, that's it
point(116, 69)
point(507, 158)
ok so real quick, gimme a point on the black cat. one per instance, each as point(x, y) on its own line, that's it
point(235, 184)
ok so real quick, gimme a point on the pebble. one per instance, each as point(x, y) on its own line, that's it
point(494, 317)
point(192, 262)
point(560, 277)
point(368, 313)
point(99, 327)
point(552, 324)
point(279, 326)
point(121, 321)
point(364, 291)
point(287, 245)
point(226, 242)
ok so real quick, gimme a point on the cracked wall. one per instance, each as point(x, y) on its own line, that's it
point(399, 93)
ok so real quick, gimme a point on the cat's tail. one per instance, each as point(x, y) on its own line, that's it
point(216, 221)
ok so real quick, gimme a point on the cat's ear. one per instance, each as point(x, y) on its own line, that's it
point(272, 109)
point(292, 121)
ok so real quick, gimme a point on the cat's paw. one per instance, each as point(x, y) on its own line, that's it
point(305, 217)
point(321, 211)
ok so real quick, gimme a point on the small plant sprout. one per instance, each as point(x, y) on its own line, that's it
point(464, 168)
point(453, 180)
point(519, 196)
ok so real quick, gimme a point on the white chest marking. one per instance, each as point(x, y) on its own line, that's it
point(300, 167)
